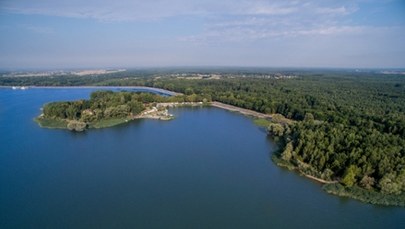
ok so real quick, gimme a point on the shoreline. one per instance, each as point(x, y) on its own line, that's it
point(322, 181)
point(284, 164)
point(156, 112)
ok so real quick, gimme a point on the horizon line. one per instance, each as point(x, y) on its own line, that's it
point(213, 67)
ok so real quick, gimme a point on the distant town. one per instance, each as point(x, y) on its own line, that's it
point(185, 74)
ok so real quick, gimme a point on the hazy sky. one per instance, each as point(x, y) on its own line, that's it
point(133, 33)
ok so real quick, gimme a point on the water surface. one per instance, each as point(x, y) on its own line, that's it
point(208, 168)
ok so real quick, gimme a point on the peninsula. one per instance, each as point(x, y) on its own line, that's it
point(108, 108)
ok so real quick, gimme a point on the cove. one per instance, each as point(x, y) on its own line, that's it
point(208, 168)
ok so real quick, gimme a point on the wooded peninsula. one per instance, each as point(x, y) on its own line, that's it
point(108, 108)
point(347, 128)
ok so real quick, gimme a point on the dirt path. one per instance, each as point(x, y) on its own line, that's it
point(240, 110)
point(319, 179)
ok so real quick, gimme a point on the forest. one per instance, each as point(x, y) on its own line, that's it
point(348, 127)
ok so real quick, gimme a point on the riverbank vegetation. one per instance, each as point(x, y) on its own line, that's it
point(262, 122)
point(348, 127)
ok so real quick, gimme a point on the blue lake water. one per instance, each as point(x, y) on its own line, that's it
point(208, 168)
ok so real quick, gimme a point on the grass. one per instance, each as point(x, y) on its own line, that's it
point(282, 163)
point(368, 196)
point(62, 124)
point(108, 122)
point(51, 123)
point(262, 122)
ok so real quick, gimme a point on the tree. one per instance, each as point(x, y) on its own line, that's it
point(349, 179)
point(87, 116)
point(73, 111)
point(389, 184)
point(189, 91)
point(367, 182)
point(55, 110)
point(276, 129)
point(309, 117)
point(287, 153)
point(136, 107)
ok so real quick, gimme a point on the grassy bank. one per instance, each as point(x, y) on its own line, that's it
point(51, 123)
point(262, 122)
point(62, 124)
point(108, 123)
point(367, 196)
point(282, 163)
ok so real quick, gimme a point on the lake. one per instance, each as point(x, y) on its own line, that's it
point(207, 168)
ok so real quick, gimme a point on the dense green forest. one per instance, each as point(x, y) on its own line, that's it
point(349, 127)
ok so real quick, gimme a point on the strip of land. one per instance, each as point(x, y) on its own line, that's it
point(277, 118)
point(241, 110)
point(319, 179)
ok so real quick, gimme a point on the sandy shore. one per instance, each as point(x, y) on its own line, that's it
point(319, 179)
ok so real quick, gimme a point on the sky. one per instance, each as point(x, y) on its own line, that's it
point(59, 34)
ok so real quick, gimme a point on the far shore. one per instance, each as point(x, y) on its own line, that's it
point(95, 87)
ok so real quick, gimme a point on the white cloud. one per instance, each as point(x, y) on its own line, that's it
point(335, 11)
point(333, 30)
point(105, 10)
point(280, 19)
point(265, 9)
point(248, 34)
point(129, 10)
